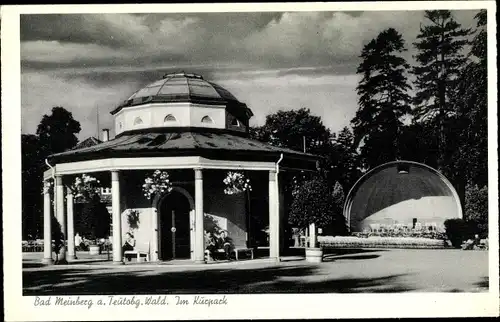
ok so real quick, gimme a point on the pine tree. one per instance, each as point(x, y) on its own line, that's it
point(344, 159)
point(439, 61)
point(383, 98)
point(471, 103)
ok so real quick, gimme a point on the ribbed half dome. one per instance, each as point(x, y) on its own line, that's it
point(182, 87)
point(400, 191)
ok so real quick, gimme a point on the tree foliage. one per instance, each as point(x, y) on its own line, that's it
point(94, 219)
point(57, 131)
point(32, 173)
point(476, 209)
point(470, 100)
point(439, 61)
point(344, 162)
point(383, 98)
point(312, 203)
point(289, 128)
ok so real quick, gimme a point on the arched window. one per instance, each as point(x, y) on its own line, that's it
point(169, 118)
point(137, 121)
point(207, 119)
point(235, 122)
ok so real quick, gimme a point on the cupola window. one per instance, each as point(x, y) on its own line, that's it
point(235, 122)
point(207, 119)
point(169, 118)
point(138, 121)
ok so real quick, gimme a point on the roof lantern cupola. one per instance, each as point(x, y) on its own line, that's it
point(187, 98)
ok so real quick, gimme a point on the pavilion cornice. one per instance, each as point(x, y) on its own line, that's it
point(123, 164)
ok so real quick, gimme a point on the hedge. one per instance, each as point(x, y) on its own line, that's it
point(379, 242)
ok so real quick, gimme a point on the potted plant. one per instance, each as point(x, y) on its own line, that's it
point(94, 221)
point(313, 206)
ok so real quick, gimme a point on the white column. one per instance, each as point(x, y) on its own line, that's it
point(312, 236)
point(199, 252)
point(61, 257)
point(117, 221)
point(71, 225)
point(273, 217)
point(155, 239)
point(47, 225)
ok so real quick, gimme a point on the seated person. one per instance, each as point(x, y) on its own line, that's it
point(211, 242)
point(84, 244)
point(468, 245)
point(129, 243)
point(226, 244)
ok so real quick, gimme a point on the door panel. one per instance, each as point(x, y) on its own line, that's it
point(175, 243)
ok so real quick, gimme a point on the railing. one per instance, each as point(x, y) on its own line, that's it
point(38, 246)
point(32, 246)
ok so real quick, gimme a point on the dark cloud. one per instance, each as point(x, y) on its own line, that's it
point(267, 60)
point(70, 28)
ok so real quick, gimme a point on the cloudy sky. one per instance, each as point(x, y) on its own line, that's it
point(270, 61)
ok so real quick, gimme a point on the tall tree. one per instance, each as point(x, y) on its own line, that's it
point(344, 159)
point(470, 100)
point(297, 130)
point(31, 166)
point(292, 129)
point(57, 132)
point(383, 98)
point(439, 61)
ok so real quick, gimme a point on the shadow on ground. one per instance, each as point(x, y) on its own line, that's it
point(350, 251)
point(328, 258)
point(484, 283)
point(284, 279)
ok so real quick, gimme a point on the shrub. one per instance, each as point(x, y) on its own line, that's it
point(476, 209)
point(457, 231)
point(94, 220)
point(312, 204)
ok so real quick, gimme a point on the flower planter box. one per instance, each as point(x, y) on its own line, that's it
point(381, 242)
point(314, 255)
point(93, 250)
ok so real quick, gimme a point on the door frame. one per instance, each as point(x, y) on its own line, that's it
point(159, 204)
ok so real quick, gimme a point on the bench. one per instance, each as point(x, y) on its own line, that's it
point(234, 251)
point(138, 253)
point(242, 249)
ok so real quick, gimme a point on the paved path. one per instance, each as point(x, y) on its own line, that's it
point(344, 271)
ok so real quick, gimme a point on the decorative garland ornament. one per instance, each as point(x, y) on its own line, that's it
point(47, 187)
point(158, 183)
point(236, 183)
point(86, 186)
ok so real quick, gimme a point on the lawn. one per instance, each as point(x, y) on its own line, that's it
point(343, 271)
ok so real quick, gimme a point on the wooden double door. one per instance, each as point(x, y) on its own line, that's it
point(175, 227)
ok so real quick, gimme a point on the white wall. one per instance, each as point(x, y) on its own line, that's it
point(143, 234)
point(186, 114)
point(229, 210)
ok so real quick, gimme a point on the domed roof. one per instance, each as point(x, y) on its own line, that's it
point(403, 186)
point(182, 87)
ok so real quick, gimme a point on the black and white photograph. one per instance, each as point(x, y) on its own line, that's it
point(176, 162)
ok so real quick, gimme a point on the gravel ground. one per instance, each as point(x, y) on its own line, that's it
point(343, 271)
